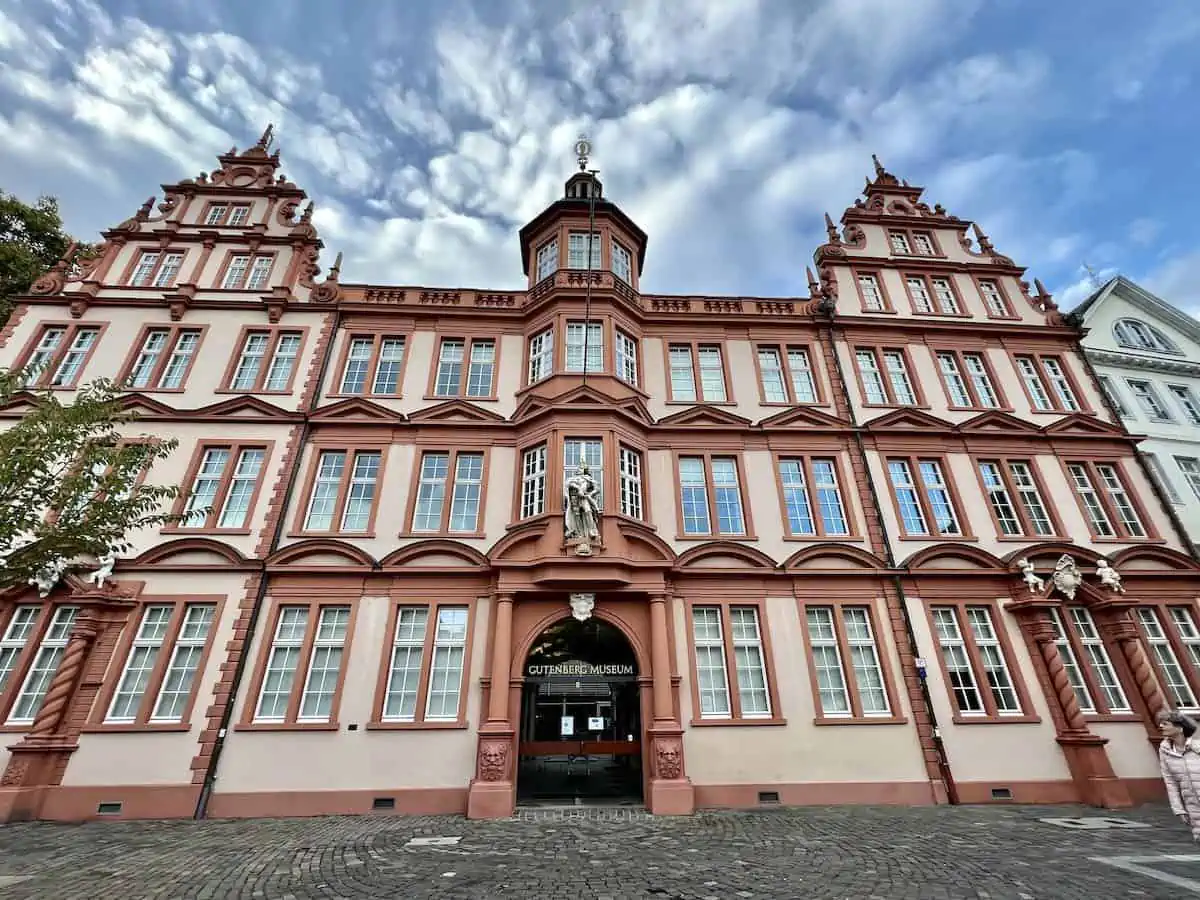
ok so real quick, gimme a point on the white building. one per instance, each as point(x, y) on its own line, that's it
point(1147, 356)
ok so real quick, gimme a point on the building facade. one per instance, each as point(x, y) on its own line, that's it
point(1145, 353)
point(446, 549)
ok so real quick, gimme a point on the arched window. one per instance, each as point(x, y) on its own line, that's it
point(1141, 336)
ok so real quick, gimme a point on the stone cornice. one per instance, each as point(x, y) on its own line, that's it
point(1145, 364)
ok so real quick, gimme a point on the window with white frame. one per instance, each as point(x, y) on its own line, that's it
point(724, 635)
point(1147, 397)
point(898, 241)
point(45, 663)
point(1158, 474)
point(325, 665)
point(476, 378)
point(414, 651)
point(1190, 467)
point(786, 377)
point(1114, 396)
point(932, 295)
point(247, 273)
point(627, 357)
point(164, 358)
point(1091, 669)
point(1016, 498)
point(216, 214)
point(465, 490)
point(239, 215)
point(341, 494)
point(577, 250)
point(547, 259)
point(1184, 620)
point(923, 243)
point(541, 355)
point(974, 662)
point(533, 481)
point(221, 494)
point(58, 357)
point(585, 346)
point(885, 377)
point(156, 269)
point(622, 263)
point(697, 366)
point(812, 498)
point(872, 294)
point(1106, 500)
point(850, 682)
point(630, 463)
point(134, 682)
point(993, 299)
point(282, 698)
point(1187, 401)
point(1048, 384)
point(710, 495)
point(14, 638)
point(923, 500)
point(1138, 335)
point(373, 365)
point(1171, 673)
point(584, 450)
point(184, 663)
point(968, 380)
point(278, 349)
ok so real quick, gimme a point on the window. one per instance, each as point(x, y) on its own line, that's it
point(932, 295)
point(630, 465)
point(885, 377)
point(849, 676)
point(247, 273)
point(1016, 497)
point(583, 450)
point(1190, 467)
point(577, 250)
point(724, 637)
point(1141, 336)
point(156, 269)
point(1039, 371)
point(1114, 396)
point(1147, 397)
point(541, 355)
point(925, 499)
point(58, 357)
point(869, 289)
point(314, 637)
point(1087, 663)
point(465, 489)
point(13, 639)
point(974, 662)
point(1187, 400)
point(156, 682)
point(1159, 475)
point(476, 379)
point(425, 672)
point(692, 364)
point(164, 359)
point(786, 375)
point(622, 263)
point(373, 365)
point(1170, 673)
point(216, 214)
point(279, 348)
point(585, 346)
point(533, 481)
point(547, 259)
point(45, 663)
point(710, 493)
point(1105, 500)
point(968, 380)
point(922, 243)
point(912, 243)
point(1184, 620)
point(221, 493)
point(812, 497)
point(239, 215)
point(343, 494)
point(223, 214)
point(627, 358)
point(994, 300)
point(898, 241)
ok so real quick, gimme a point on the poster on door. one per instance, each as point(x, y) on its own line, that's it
point(595, 723)
point(567, 726)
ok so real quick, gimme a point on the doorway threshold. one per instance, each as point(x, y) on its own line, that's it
point(581, 803)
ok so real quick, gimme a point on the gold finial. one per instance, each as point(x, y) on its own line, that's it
point(583, 149)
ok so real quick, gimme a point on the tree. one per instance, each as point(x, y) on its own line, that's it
point(31, 241)
point(70, 481)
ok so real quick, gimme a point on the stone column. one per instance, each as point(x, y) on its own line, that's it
point(668, 791)
point(1118, 626)
point(492, 793)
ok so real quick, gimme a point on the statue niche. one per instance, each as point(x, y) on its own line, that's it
point(581, 519)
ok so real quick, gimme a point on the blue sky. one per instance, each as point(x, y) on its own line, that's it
point(428, 132)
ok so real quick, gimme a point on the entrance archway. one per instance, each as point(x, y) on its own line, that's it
point(581, 722)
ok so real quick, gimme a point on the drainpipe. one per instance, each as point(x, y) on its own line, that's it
point(210, 774)
point(938, 744)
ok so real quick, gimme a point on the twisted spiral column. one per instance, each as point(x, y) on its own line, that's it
point(62, 687)
point(1043, 633)
point(1125, 633)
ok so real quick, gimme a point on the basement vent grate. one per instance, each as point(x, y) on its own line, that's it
point(768, 796)
point(383, 803)
point(1001, 794)
point(108, 809)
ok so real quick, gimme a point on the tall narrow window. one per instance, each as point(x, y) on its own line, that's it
point(1171, 674)
point(812, 498)
point(373, 365)
point(1190, 467)
point(994, 300)
point(221, 493)
point(316, 633)
point(918, 292)
point(58, 358)
point(899, 242)
point(1159, 475)
point(325, 665)
point(476, 378)
point(712, 683)
point(1147, 397)
point(947, 300)
point(885, 377)
point(785, 375)
point(972, 658)
point(533, 481)
point(16, 635)
point(1047, 383)
point(547, 259)
point(343, 494)
point(1106, 500)
point(1187, 401)
point(41, 672)
point(577, 250)
point(247, 273)
point(1090, 670)
point(1015, 496)
point(923, 243)
point(135, 678)
point(724, 636)
point(278, 349)
point(845, 657)
point(541, 355)
point(627, 357)
point(164, 358)
point(426, 661)
point(622, 263)
point(630, 461)
point(697, 373)
point(770, 371)
point(585, 346)
point(710, 493)
point(1184, 620)
point(583, 450)
point(454, 474)
point(872, 294)
point(1064, 392)
point(184, 662)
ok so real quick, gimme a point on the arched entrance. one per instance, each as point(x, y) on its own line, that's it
point(581, 723)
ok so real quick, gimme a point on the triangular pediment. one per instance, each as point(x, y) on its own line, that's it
point(19, 404)
point(582, 397)
point(355, 409)
point(455, 411)
point(245, 408)
point(802, 417)
point(705, 416)
point(1078, 423)
point(903, 419)
point(998, 422)
point(141, 405)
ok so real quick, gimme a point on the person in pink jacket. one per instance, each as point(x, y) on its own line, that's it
point(1179, 757)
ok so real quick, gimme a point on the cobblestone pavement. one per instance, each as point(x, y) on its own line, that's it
point(1001, 853)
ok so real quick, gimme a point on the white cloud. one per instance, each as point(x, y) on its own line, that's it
point(1175, 281)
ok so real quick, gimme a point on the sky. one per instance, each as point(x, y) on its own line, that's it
point(429, 132)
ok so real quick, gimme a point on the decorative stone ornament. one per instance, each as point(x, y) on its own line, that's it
point(47, 577)
point(669, 758)
point(582, 606)
point(104, 571)
point(1035, 584)
point(582, 516)
point(1109, 577)
point(493, 760)
point(1067, 577)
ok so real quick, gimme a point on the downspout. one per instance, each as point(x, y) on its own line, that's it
point(210, 773)
point(939, 745)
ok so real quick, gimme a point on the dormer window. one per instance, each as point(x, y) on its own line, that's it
point(547, 259)
point(577, 250)
point(216, 214)
point(155, 269)
point(905, 242)
point(622, 263)
point(1138, 335)
point(247, 273)
point(227, 215)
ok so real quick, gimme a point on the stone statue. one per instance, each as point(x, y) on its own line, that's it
point(1066, 576)
point(48, 576)
point(582, 606)
point(1109, 577)
point(1036, 585)
point(583, 510)
point(107, 562)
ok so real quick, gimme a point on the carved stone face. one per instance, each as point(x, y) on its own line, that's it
point(493, 755)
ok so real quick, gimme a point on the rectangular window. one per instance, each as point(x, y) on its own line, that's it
point(247, 273)
point(923, 243)
point(630, 462)
point(547, 259)
point(1190, 467)
point(184, 662)
point(924, 498)
point(459, 476)
point(699, 365)
point(710, 493)
point(58, 357)
point(221, 492)
point(425, 673)
point(845, 656)
point(583, 450)
point(932, 295)
point(585, 346)
point(723, 636)
point(373, 365)
point(871, 292)
point(533, 481)
point(343, 494)
point(885, 377)
point(1015, 497)
point(474, 379)
point(1159, 475)
point(968, 380)
point(577, 250)
point(1147, 397)
point(812, 497)
point(1047, 383)
point(975, 658)
point(994, 300)
point(1170, 673)
point(164, 359)
point(1184, 620)
point(622, 263)
point(1087, 662)
point(239, 215)
point(899, 242)
point(1187, 401)
point(45, 663)
point(278, 349)
point(15, 636)
point(156, 269)
point(785, 375)
point(216, 214)
point(627, 358)
point(1106, 500)
point(541, 355)
point(1114, 397)
point(314, 637)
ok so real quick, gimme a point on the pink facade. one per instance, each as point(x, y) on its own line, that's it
point(805, 583)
